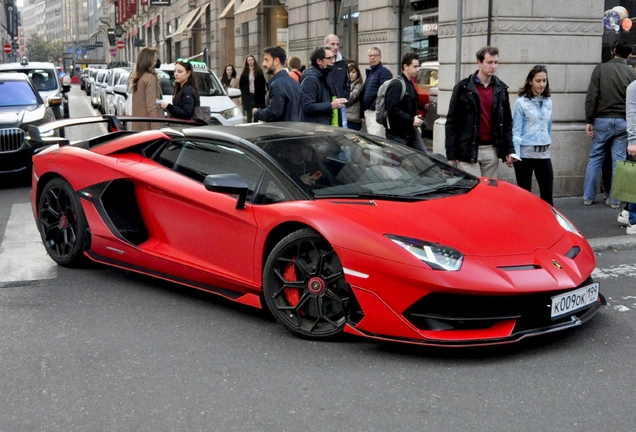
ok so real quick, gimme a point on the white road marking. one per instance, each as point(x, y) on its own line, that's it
point(22, 254)
point(616, 271)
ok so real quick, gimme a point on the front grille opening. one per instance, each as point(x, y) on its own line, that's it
point(574, 252)
point(520, 267)
point(443, 311)
point(11, 140)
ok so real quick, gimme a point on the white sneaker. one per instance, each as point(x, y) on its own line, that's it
point(631, 229)
point(623, 218)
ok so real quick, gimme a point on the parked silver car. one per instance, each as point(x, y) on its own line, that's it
point(107, 99)
point(97, 91)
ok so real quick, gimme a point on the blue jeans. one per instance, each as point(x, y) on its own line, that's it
point(631, 208)
point(605, 129)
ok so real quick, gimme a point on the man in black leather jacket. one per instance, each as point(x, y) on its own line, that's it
point(475, 137)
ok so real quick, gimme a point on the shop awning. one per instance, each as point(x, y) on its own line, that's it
point(184, 24)
point(193, 21)
point(229, 10)
point(246, 12)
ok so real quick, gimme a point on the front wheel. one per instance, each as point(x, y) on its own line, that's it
point(305, 288)
point(62, 223)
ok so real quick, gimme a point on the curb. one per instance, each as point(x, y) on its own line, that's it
point(612, 243)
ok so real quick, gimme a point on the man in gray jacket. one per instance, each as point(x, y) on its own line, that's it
point(605, 117)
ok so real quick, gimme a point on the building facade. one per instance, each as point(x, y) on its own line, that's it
point(569, 37)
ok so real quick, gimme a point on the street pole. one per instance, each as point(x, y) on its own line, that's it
point(458, 42)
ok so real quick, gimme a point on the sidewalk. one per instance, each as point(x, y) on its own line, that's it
point(597, 223)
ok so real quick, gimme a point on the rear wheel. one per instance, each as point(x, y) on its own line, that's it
point(304, 286)
point(62, 223)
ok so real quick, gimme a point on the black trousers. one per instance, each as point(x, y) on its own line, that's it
point(542, 169)
point(415, 141)
point(248, 106)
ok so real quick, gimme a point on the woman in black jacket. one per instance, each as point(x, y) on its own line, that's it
point(185, 96)
point(253, 86)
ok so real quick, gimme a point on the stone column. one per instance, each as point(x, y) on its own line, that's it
point(377, 26)
point(565, 37)
point(309, 21)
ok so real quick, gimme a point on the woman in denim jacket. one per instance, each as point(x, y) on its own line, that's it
point(531, 128)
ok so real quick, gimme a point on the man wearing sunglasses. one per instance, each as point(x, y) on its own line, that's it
point(318, 97)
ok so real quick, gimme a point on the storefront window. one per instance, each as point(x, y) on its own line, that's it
point(618, 24)
point(348, 28)
point(420, 34)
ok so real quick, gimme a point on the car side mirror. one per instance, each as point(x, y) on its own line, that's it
point(232, 184)
point(233, 92)
point(121, 89)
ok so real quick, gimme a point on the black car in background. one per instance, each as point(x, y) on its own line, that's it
point(20, 106)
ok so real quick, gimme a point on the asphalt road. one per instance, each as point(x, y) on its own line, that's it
point(102, 349)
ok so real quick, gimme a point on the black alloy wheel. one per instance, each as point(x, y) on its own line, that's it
point(62, 224)
point(304, 286)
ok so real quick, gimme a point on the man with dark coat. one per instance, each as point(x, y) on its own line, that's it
point(479, 120)
point(318, 99)
point(338, 77)
point(283, 102)
point(403, 123)
point(376, 76)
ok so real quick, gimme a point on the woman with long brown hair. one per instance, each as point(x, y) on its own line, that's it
point(252, 85)
point(145, 89)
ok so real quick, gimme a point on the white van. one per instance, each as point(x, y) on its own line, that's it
point(211, 92)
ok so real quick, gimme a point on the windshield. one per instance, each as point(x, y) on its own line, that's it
point(206, 82)
point(16, 93)
point(356, 165)
point(43, 79)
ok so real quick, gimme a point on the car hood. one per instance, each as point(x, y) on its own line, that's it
point(487, 221)
point(15, 116)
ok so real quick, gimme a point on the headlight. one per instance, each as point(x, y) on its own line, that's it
point(566, 224)
point(232, 112)
point(439, 257)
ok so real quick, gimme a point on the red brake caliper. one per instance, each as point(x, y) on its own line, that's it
point(291, 294)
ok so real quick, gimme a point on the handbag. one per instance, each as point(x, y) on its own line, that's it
point(202, 113)
point(624, 182)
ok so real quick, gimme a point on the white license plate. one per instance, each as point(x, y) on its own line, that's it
point(574, 300)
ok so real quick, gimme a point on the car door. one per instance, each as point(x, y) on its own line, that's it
point(199, 227)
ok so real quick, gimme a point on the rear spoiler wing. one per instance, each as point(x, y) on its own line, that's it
point(114, 124)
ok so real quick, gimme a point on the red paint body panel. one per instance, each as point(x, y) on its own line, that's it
point(199, 238)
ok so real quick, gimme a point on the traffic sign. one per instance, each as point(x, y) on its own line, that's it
point(113, 51)
point(120, 44)
point(7, 48)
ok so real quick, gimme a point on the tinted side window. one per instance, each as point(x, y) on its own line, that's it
point(200, 159)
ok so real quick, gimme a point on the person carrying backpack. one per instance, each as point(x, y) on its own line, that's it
point(402, 122)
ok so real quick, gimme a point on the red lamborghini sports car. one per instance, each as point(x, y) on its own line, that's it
point(330, 229)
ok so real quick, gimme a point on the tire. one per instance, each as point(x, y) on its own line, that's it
point(62, 224)
point(304, 286)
